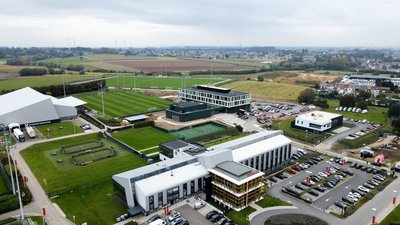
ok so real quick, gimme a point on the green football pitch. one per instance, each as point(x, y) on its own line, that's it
point(123, 103)
point(157, 82)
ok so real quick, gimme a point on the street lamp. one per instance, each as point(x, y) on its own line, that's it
point(373, 215)
point(394, 197)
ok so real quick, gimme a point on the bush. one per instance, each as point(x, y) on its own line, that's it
point(131, 223)
point(8, 203)
point(32, 72)
point(144, 124)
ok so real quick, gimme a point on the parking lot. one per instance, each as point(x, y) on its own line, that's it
point(325, 200)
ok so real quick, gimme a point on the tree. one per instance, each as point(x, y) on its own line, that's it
point(394, 110)
point(362, 104)
point(307, 96)
point(363, 95)
point(323, 103)
point(347, 101)
point(260, 78)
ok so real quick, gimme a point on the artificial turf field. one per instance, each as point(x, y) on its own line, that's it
point(92, 200)
point(143, 138)
point(157, 82)
point(121, 103)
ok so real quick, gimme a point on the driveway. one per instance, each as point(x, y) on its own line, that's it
point(192, 215)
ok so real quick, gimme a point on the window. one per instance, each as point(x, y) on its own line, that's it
point(151, 202)
point(200, 183)
point(160, 199)
point(192, 186)
point(184, 189)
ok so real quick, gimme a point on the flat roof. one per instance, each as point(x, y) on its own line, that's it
point(377, 77)
point(137, 117)
point(171, 178)
point(68, 101)
point(227, 94)
point(258, 148)
point(175, 144)
point(235, 172)
point(188, 104)
point(318, 116)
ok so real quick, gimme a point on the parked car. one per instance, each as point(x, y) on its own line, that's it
point(314, 193)
point(340, 204)
point(273, 179)
point(199, 205)
point(153, 218)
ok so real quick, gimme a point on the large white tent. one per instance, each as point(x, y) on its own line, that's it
point(27, 106)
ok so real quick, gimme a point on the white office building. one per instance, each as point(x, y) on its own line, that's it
point(185, 174)
point(319, 121)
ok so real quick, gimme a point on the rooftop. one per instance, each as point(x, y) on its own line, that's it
point(318, 116)
point(137, 117)
point(171, 178)
point(175, 144)
point(236, 172)
point(216, 91)
point(188, 104)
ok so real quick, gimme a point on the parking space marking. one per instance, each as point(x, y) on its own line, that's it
point(328, 199)
point(347, 186)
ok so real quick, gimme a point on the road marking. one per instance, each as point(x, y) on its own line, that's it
point(328, 199)
point(308, 171)
point(347, 186)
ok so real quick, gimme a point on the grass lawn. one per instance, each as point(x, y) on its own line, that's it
point(95, 205)
point(375, 114)
point(142, 138)
point(301, 135)
point(3, 185)
point(91, 200)
point(240, 218)
point(393, 217)
point(124, 103)
point(157, 82)
point(59, 129)
point(269, 90)
point(55, 176)
point(269, 201)
point(17, 83)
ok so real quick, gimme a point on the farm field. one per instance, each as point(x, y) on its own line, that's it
point(176, 65)
point(267, 90)
point(59, 129)
point(108, 66)
point(375, 114)
point(16, 83)
point(157, 82)
point(143, 138)
point(54, 176)
point(123, 103)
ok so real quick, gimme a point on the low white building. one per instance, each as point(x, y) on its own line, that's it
point(183, 173)
point(318, 121)
point(27, 106)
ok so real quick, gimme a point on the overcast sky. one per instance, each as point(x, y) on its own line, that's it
point(159, 23)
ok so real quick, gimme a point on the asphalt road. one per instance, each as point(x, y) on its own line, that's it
point(193, 216)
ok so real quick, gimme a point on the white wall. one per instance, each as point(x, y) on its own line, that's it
point(37, 112)
point(66, 111)
point(302, 122)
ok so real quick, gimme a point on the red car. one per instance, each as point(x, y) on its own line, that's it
point(295, 167)
point(291, 171)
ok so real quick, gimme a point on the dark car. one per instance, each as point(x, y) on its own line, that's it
point(369, 170)
point(314, 193)
point(315, 179)
point(210, 214)
point(216, 217)
point(329, 185)
point(340, 204)
point(348, 200)
point(299, 186)
point(320, 188)
point(153, 218)
point(360, 192)
point(353, 165)
point(280, 176)
point(273, 179)
point(364, 168)
point(348, 172)
point(342, 174)
point(358, 166)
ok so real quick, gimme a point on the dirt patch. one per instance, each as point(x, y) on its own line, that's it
point(5, 76)
point(306, 77)
point(176, 65)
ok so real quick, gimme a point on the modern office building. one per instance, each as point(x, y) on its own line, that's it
point(188, 111)
point(229, 173)
point(229, 100)
point(318, 121)
point(27, 106)
point(236, 185)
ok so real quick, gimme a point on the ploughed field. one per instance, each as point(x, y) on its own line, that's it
point(176, 65)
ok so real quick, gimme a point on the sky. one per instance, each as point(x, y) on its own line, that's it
point(163, 23)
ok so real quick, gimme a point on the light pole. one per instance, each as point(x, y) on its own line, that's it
point(9, 164)
point(373, 216)
point(394, 197)
point(21, 207)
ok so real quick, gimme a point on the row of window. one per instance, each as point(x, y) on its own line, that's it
point(215, 102)
point(269, 159)
point(214, 96)
point(173, 194)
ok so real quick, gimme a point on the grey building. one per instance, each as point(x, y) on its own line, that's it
point(230, 101)
point(188, 111)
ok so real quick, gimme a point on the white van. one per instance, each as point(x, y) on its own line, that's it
point(31, 132)
point(19, 135)
point(158, 222)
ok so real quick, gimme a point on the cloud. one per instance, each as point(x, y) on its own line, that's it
point(142, 23)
